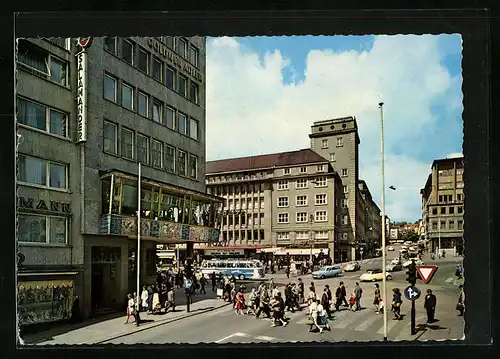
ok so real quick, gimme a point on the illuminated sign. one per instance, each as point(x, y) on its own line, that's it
point(174, 59)
point(81, 98)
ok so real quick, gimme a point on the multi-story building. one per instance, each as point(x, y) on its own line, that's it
point(369, 229)
point(88, 112)
point(395, 233)
point(351, 211)
point(442, 206)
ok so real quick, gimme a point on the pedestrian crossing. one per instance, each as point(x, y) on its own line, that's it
point(245, 338)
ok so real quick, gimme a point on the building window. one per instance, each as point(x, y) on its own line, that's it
point(42, 118)
point(282, 185)
point(303, 169)
point(459, 196)
point(181, 123)
point(321, 235)
point(157, 69)
point(128, 51)
point(320, 216)
point(283, 236)
point(332, 157)
point(143, 104)
point(442, 225)
point(194, 55)
point(460, 224)
point(170, 42)
point(182, 47)
point(443, 210)
point(193, 166)
point(182, 85)
point(157, 111)
point(41, 172)
point(320, 199)
point(451, 224)
point(283, 202)
point(143, 61)
point(340, 142)
point(345, 220)
point(301, 235)
point(110, 45)
point(345, 172)
point(110, 138)
point(127, 96)
point(193, 91)
point(320, 168)
point(460, 209)
point(181, 163)
point(320, 182)
point(283, 218)
point(110, 88)
point(156, 153)
point(41, 63)
point(301, 217)
point(343, 203)
point(435, 211)
point(451, 210)
point(301, 201)
point(434, 226)
point(34, 228)
point(193, 129)
point(324, 144)
point(301, 183)
point(127, 143)
point(170, 118)
point(142, 149)
point(345, 189)
point(170, 78)
point(170, 159)
point(286, 171)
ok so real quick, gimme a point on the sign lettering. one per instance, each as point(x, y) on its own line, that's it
point(174, 59)
point(26, 202)
point(55, 206)
point(42, 205)
point(81, 98)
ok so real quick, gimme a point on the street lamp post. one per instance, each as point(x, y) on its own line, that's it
point(382, 169)
point(311, 219)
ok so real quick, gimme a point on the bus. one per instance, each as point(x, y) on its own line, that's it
point(240, 268)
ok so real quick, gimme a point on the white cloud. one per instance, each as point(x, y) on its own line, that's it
point(251, 111)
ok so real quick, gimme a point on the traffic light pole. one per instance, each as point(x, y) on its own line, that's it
point(412, 319)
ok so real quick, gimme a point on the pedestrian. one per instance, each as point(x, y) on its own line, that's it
point(397, 301)
point(203, 282)
point(343, 293)
point(156, 300)
point(288, 298)
point(240, 302)
point(325, 303)
point(278, 307)
point(458, 272)
point(287, 271)
point(214, 281)
point(150, 299)
point(130, 307)
point(460, 304)
point(263, 305)
point(358, 292)
point(430, 306)
point(76, 314)
point(376, 299)
point(144, 298)
point(301, 291)
point(252, 307)
point(170, 303)
point(322, 319)
point(312, 295)
point(274, 291)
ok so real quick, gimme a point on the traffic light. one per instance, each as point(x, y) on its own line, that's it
point(188, 270)
point(411, 273)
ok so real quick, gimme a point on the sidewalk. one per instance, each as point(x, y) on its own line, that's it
point(92, 332)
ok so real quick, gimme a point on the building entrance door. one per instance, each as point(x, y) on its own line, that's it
point(105, 288)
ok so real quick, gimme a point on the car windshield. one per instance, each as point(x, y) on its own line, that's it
point(323, 269)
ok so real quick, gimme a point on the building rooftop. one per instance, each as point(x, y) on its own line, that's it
point(334, 120)
point(283, 159)
point(449, 159)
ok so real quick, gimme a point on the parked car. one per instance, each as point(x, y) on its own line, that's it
point(393, 267)
point(390, 248)
point(403, 251)
point(327, 272)
point(352, 267)
point(396, 261)
point(418, 262)
point(373, 275)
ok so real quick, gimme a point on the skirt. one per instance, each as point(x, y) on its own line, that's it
point(376, 301)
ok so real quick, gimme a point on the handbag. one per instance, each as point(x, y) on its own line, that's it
point(460, 306)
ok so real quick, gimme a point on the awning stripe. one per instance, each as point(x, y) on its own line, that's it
point(45, 284)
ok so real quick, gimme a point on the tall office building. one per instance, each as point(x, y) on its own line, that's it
point(89, 110)
point(443, 206)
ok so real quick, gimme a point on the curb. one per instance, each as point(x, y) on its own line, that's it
point(159, 324)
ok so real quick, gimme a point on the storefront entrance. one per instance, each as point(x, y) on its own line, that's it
point(105, 284)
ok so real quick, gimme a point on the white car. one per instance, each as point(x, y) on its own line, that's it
point(418, 262)
point(390, 248)
point(395, 261)
point(403, 250)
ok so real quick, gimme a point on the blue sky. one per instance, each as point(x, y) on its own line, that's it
point(273, 88)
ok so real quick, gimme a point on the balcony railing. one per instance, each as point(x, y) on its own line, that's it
point(169, 231)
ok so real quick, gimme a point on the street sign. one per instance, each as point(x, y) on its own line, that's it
point(412, 293)
point(427, 272)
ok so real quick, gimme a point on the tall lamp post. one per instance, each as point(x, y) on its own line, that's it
point(311, 240)
point(138, 258)
point(382, 170)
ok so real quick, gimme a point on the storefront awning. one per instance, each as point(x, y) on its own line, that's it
point(166, 254)
point(29, 274)
point(269, 250)
point(300, 251)
point(45, 284)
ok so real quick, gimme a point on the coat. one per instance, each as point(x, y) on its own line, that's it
point(358, 292)
point(430, 301)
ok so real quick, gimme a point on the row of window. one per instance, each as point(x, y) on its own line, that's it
point(42, 117)
point(41, 172)
point(448, 198)
point(237, 189)
point(302, 217)
point(449, 172)
point(135, 55)
point(284, 236)
point(42, 63)
point(303, 169)
point(257, 203)
point(133, 145)
point(35, 228)
point(250, 219)
point(159, 71)
point(451, 210)
point(147, 106)
point(450, 224)
point(250, 235)
point(339, 143)
point(300, 201)
point(302, 183)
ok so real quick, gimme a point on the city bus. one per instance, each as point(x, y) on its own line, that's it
point(239, 268)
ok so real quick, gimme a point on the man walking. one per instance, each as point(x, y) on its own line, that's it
point(325, 302)
point(301, 291)
point(214, 281)
point(203, 282)
point(358, 292)
point(460, 304)
point(430, 306)
point(343, 294)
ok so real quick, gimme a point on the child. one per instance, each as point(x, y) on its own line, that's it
point(352, 302)
point(380, 307)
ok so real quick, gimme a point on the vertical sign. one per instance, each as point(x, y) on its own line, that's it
point(81, 98)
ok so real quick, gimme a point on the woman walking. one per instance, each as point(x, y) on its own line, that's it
point(130, 308)
point(240, 302)
point(376, 299)
point(396, 304)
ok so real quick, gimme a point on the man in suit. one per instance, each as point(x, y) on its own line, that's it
point(430, 306)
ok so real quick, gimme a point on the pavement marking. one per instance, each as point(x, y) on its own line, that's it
point(368, 322)
point(265, 338)
point(449, 280)
point(231, 336)
point(405, 332)
point(345, 321)
point(390, 325)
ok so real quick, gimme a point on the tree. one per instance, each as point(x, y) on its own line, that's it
point(409, 235)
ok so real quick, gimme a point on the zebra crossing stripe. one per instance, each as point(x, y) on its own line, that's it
point(344, 321)
point(449, 280)
point(405, 332)
point(265, 338)
point(390, 325)
point(368, 322)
